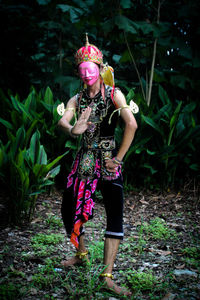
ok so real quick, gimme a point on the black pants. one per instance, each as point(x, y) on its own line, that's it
point(112, 192)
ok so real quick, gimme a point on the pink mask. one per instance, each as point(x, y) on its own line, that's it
point(88, 72)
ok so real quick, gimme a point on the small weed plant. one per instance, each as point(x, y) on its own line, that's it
point(158, 229)
point(193, 252)
point(47, 239)
point(46, 276)
point(88, 284)
point(43, 244)
point(143, 282)
point(192, 256)
point(54, 222)
point(96, 251)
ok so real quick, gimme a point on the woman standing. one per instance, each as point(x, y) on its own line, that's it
point(98, 163)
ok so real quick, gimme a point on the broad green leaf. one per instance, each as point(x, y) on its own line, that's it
point(153, 171)
point(19, 142)
point(179, 81)
point(16, 119)
point(125, 57)
point(75, 13)
point(151, 152)
point(175, 115)
point(26, 181)
point(11, 136)
point(34, 147)
point(20, 107)
point(150, 122)
point(39, 170)
point(70, 144)
point(53, 172)
point(20, 158)
point(48, 107)
point(147, 28)
point(64, 7)
point(46, 183)
point(43, 2)
point(30, 102)
point(125, 3)
point(189, 108)
point(42, 156)
point(30, 131)
point(116, 58)
point(136, 147)
point(158, 76)
point(6, 123)
point(55, 161)
point(108, 25)
point(130, 95)
point(48, 97)
point(125, 24)
point(163, 95)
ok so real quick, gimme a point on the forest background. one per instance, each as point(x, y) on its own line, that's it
point(152, 46)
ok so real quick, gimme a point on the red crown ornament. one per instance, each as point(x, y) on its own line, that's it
point(89, 53)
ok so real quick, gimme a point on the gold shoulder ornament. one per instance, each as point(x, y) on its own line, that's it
point(61, 109)
point(132, 106)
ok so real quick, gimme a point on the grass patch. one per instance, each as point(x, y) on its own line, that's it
point(146, 283)
point(46, 276)
point(158, 230)
point(193, 252)
point(54, 222)
point(84, 283)
point(43, 244)
point(10, 291)
point(192, 256)
point(96, 251)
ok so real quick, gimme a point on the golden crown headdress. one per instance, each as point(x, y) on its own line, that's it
point(89, 53)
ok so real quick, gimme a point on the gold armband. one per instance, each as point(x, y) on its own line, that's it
point(132, 106)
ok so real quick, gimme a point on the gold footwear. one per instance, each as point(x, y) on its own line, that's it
point(81, 255)
point(108, 275)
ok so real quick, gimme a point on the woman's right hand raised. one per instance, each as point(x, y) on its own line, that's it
point(82, 122)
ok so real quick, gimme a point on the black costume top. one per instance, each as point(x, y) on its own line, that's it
point(98, 140)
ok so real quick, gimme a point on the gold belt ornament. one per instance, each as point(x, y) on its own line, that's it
point(101, 144)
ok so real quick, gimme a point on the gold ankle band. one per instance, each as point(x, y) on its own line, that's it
point(81, 255)
point(109, 275)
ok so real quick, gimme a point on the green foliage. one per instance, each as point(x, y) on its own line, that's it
point(10, 291)
point(46, 276)
point(43, 244)
point(54, 222)
point(158, 229)
point(89, 284)
point(193, 252)
point(141, 280)
point(96, 251)
point(165, 146)
point(26, 170)
point(191, 257)
point(44, 239)
point(146, 282)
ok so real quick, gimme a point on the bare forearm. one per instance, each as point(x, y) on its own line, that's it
point(65, 126)
point(80, 126)
point(128, 137)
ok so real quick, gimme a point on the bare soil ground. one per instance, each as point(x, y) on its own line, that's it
point(177, 269)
